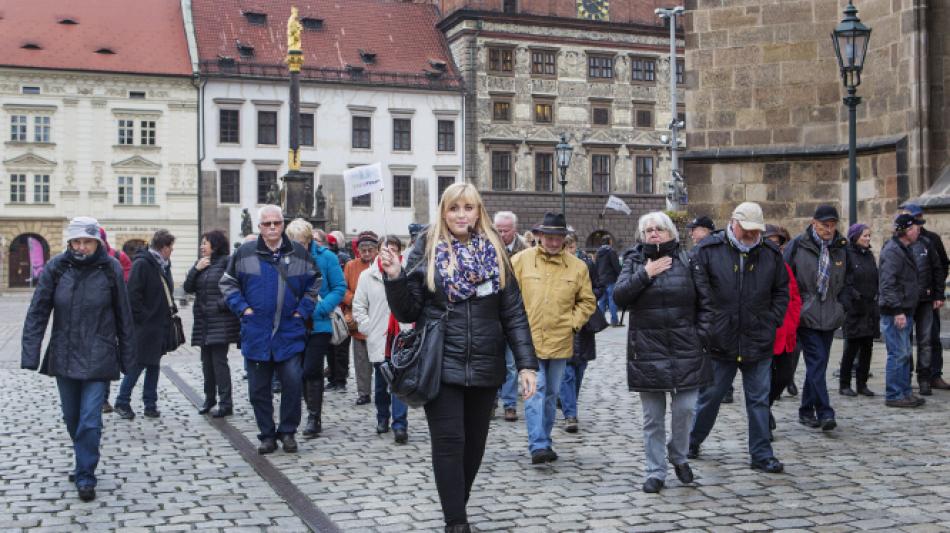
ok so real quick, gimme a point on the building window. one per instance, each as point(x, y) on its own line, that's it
point(501, 111)
point(363, 200)
point(600, 172)
point(444, 183)
point(544, 172)
point(41, 127)
point(680, 71)
point(267, 127)
point(600, 115)
point(18, 128)
point(402, 191)
point(501, 171)
point(137, 95)
point(306, 129)
point(126, 132)
point(17, 188)
point(361, 133)
point(147, 190)
point(402, 135)
point(229, 190)
point(30, 89)
point(643, 69)
point(126, 185)
point(600, 67)
point(446, 136)
point(543, 112)
point(509, 6)
point(147, 131)
point(501, 60)
point(229, 126)
point(681, 114)
point(544, 62)
point(41, 188)
point(644, 175)
point(265, 180)
point(643, 118)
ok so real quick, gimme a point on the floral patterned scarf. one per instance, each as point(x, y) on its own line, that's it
point(476, 263)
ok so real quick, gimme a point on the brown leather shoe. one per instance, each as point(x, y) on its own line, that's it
point(939, 383)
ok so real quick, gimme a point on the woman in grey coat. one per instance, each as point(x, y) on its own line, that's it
point(90, 343)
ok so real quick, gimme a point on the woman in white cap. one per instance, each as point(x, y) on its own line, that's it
point(90, 343)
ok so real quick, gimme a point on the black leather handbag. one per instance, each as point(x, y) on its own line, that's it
point(414, 371)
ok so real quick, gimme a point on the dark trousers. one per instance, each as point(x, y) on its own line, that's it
point(259, 377)
point(149, 386)
point(338, 363)
point(458, 427)
point(783, 373)
point(923, 332)
point(388, 404)
point(816, 349)
point(856, 349)
point(217, 375)
point(318, 351)
point(936, 348)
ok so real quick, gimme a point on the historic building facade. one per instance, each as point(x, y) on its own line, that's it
point(601, 76)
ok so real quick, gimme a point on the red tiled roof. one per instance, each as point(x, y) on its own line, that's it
point(146, 36)
point(402, 35)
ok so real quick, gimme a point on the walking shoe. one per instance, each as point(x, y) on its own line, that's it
point(382, 427)
point(925, 389)
point(847, 391)
point(903, 402)
point(331, 386)
point(684, 473)
point(340, 387)
point(693, 452)
point(87, 494)
point(570, 424)
point(401, 436)
point(221, 412)
point(288, 442)
point(205, 408)
point(792, 389)
point(865, 391)
point(552, 456)
point(728, 398)
point(107, 407)
point(267, 446)
point(124, 411)
point(827, 424)
point(939, 383)
point(511, 415)
point(918, 399)
point(652, 485)
point(314, 426)
point(539, 456)
point(809, 421)
point(362, 400)
point(769, 466)
point(152, 413)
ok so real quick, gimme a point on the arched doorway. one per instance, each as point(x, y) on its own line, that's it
point(133, 246)
point(29, 253)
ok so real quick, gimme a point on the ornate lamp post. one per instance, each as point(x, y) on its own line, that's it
point(297, 194)
point(676, 182)
point(564, 152)
point(851, 38)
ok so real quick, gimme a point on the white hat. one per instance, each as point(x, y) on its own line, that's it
point(83, 228)
point(749, 216)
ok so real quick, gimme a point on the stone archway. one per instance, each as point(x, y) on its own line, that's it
point(29, 253)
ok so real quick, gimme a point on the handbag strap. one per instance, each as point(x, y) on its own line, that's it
point(168, 295)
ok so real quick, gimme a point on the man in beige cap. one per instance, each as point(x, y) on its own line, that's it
point(743, 292)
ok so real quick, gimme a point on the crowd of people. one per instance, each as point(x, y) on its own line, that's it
point(519, 315)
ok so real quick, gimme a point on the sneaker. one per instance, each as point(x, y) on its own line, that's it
point(809, 421)
point(87, 494)
point(847, 391)
point(903, 402)
point(288, 443)
point(769, 466)
point(124, 411)
point(362, 400)
point(511, 415)
point(107, 407)
point(400, 436)
point(570, 424)
point(267, 446)
point(152, 413)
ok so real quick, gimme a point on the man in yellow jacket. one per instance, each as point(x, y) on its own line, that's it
point(558, 298)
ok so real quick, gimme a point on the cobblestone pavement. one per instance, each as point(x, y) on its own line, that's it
point(883, 469)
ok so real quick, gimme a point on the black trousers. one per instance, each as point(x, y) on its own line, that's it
point(458, 427)
point(783, 373)
point(217, 375)
point(318, 351)
point(338, 363)
point(856, 349)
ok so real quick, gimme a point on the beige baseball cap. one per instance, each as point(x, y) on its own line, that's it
point(749, 216)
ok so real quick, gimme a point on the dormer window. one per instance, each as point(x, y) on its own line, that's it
point(31, 46)
point(355, 70)
point(225, 61)
point(245, 49)
point(368, 57)
point(68, 21)
point(253, 17)
point(438, 65)
point(105, 51)
point(310, 23)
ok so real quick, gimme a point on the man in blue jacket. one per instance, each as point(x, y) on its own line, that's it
point(272, 284)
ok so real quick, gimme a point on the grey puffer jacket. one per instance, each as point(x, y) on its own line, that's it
point(802, 254)
point(898, 279)
point(92, 336)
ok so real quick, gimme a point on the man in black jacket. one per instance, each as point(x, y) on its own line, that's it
point(608, 269)
point(743, 292)
point(898, 298)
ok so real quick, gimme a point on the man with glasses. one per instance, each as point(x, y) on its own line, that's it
point(367, 244)
point(272, 284)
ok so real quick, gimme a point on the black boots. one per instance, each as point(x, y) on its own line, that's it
point(313, 396)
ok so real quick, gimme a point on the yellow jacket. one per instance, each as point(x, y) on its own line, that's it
point(558, 299)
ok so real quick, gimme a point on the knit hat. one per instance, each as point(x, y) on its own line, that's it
point(83, 228)
point(367, 236)
point(855, 231)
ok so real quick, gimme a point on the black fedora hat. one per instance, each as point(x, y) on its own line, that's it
point(553, 224)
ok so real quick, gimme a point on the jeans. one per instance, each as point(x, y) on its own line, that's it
point(82, 410)
point(857, 348)
point(755, 383)
point(571, 387)
point(936, 348)
point(509, 390)
point(363, 368)
point(816, 349)
point(540, 409)
point(897, 368)
point(682, 409)
point(923, 326)
point(384, 399)
point(458, 427)
point(259, 376)
point(149, 387)
point(607, 302)
point(217, 375)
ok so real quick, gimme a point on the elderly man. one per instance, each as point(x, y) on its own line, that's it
point(367, 244)
point(506, 224)
point(558, 298)
point(743, 291)
point(699, 228)
point(818, 258)
point(272, 284)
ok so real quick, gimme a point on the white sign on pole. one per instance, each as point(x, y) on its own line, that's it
point(363, 180)
point(617, 204)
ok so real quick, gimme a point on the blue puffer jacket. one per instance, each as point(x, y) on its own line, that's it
point(332, 289)
point(272, 332)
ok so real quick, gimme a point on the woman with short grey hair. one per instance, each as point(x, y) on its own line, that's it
point(664, 351)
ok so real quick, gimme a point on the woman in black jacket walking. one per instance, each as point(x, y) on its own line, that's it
point(461, 275)
point(90, 343)
point(215, 326)
point(664, 351)
point(862, 318)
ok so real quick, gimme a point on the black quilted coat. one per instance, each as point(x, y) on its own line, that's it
point(214, 322)
point(859, 296)
point(664, 351)
point(477, 329)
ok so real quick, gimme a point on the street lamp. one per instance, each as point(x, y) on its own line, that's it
point(851, 45)
point(673, 186)
point(564, 152)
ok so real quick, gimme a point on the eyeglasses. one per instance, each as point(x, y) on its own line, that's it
point(272, 223)
point(654, 230)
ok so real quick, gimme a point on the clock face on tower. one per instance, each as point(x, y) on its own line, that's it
point(593, 9)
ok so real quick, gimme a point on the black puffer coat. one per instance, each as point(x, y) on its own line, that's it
point(664, 351)
point(150, 308)
point(859, 297)
point(930, 278)
point(476, 331)
point(92, 336)
point(214, 322)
